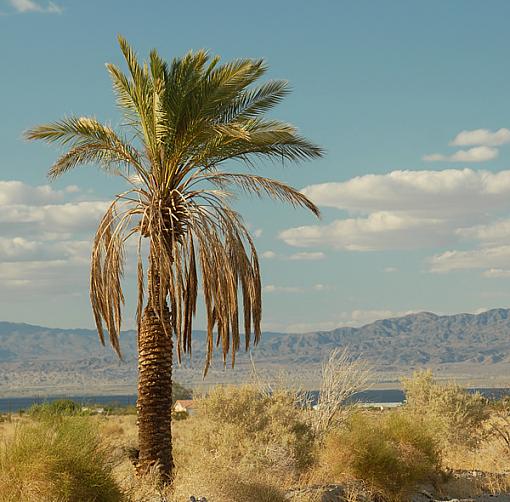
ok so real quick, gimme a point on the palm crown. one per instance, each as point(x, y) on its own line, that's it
point(183, 121)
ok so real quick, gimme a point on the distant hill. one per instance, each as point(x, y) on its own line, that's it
point(466, 346)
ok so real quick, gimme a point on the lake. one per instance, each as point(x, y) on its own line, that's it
point(14, 404)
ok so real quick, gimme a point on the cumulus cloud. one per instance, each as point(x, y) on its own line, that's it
point(55, 218)
point(27, 6)
point(405, 209)
point(482, 137)
point(496, 232)
point(45, 238)
point(492, 253)
point(417, 192)
point(42, 210)
point(17, 192)
point(269, 255)
point(378, 231)
point(475, 154)
point(481, 258)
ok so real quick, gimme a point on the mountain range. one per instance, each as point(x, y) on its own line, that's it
point(472, 348)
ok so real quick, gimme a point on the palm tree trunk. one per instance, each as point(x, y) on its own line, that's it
point(154, 404)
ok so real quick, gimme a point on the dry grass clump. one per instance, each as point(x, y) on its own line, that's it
point(456, 415)
point(56, 460)
point(389, 451)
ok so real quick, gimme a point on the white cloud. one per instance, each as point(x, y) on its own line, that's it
point(45, 239)
point(497, 232)
point(418, 192)
point(475, 154)
point(18, 249)
point(17, 192)
point(482, 258)
point(482, 137)
point(378, 231)
point(405, 209)
point(390, 270)
point(311, 256)
point(54, 218)
point(496, 273)
point(268, 255)
point(257, 232)
point(26, 6)
point(41, 210)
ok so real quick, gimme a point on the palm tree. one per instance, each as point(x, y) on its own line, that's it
point(182, 121)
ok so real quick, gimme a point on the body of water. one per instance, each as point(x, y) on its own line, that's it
point(15, 404)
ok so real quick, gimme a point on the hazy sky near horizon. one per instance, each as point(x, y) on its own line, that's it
point(411, 101)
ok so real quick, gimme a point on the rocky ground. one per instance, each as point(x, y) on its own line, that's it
point(465, 482)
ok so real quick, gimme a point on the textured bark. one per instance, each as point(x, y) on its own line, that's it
point(154, 404)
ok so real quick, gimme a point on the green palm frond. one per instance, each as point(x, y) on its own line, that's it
point(88, 141)
point(260, 186)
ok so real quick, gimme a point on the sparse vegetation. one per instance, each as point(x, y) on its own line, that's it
point(248, 443)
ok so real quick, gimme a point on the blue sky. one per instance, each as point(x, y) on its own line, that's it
point(409, 99)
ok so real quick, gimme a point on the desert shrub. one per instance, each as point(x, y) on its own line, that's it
point(390, 452)
point(269, 429)
point(57, 407)
point(456, 415)
point(62, 459)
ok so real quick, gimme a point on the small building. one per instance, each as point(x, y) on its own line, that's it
point(184, 405)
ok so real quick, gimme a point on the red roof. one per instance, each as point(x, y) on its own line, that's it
point(185, 403)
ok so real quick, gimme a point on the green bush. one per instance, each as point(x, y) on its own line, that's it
point(60, 407)
point(456, 415)
point(62, 459)
point(389, 451)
